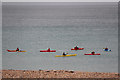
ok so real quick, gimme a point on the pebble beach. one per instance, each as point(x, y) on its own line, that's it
point(55, 74)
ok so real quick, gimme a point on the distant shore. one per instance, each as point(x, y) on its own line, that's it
point(55, 74)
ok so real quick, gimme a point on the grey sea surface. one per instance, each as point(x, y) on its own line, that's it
point(0, 39)
point(61, 27)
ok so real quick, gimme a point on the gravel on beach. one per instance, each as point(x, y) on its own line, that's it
point(55, 74)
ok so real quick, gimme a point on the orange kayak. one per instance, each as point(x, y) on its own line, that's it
point(77, 49)
point(15, 51)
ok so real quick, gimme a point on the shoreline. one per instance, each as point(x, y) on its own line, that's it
point(56, 74)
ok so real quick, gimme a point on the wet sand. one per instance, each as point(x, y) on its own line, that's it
point(55, 74)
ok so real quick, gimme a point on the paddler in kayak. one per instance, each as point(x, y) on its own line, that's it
point(93, 52)
point(76, 47)
point(17, 49)
point(65, 53)
point(106, 49)
point(48, 49)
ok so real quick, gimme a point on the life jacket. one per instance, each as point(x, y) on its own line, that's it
point(17, 49)
point(76, 47)
point(93, 52)
point(49, 49)
point(106, 48)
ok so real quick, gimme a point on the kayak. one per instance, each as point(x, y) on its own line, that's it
point(107, 50)
point(66, 55)
point(47, 51)
point(77, 49)
point(15, 51)
point(92, 54)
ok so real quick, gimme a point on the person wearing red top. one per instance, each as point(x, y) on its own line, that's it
point(48, 49)
point(106, 49)
point(76, 47)
point(93, 52)
point(17, 49)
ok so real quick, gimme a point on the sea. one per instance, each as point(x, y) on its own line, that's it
point(60, 26)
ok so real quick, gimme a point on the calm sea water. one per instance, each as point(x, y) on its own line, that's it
point(0, 38)
point(33, 27)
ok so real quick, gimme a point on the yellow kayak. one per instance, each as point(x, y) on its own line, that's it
point(21, 51)
point(66, 55)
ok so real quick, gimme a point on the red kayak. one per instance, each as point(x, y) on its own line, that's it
point(47, 50)
point(93, 54)
point(15, 51)
point(77, 49)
